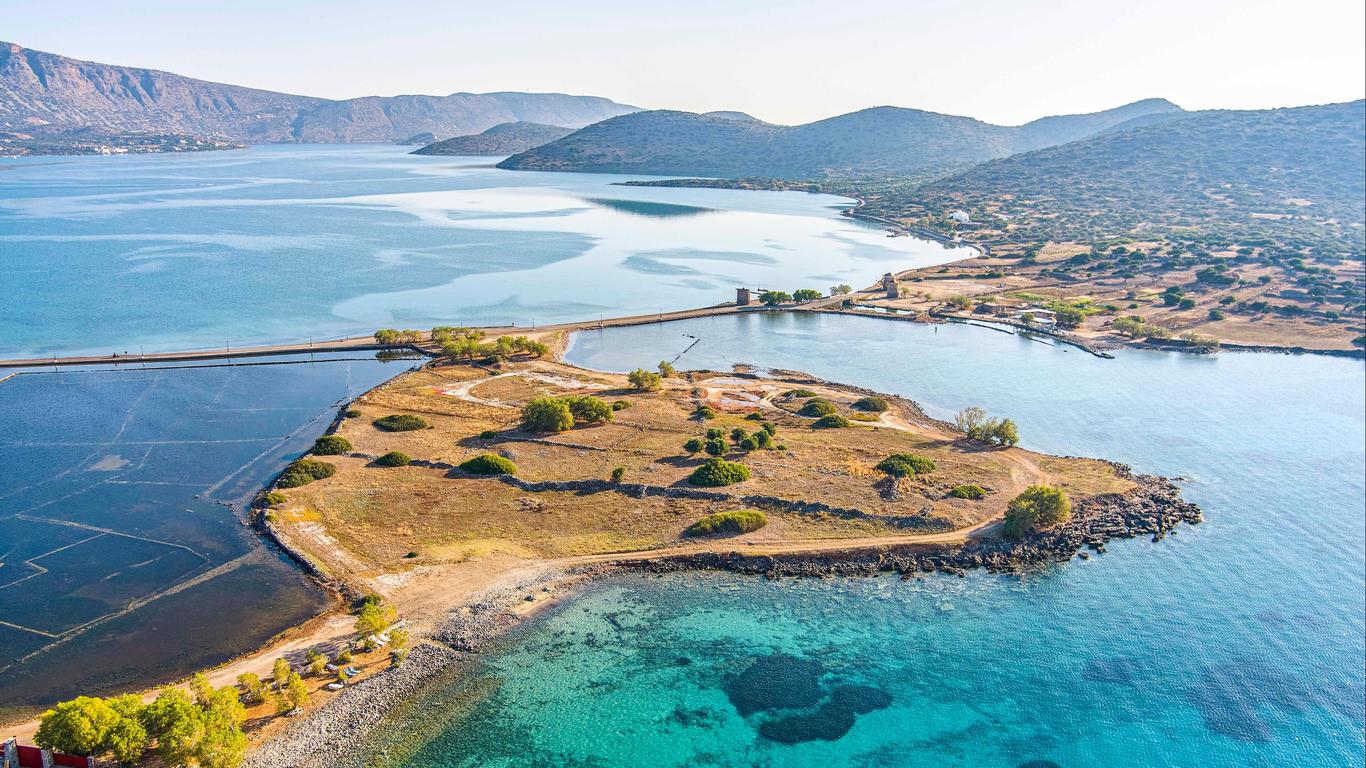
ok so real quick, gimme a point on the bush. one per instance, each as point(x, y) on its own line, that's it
point(806, 294)
point(588, 410)
point(704, 413)
point(872, 404)
point(275, 498)
point(331, 445)
point(738, 434)
point(748, 443)
point(738, 521)
point(643, 380)
point(400, 422)
point(547, 414)
point(693, 445)
point(620, 405)
point(769, 428)
point(352, 413)
point(774, 298)
point(488, 434)
point(489, 464)
point(715, 434)
point(973, 492)
point(1039, 507)
point(617, 474)
point(905, 465)
point(716, 472)
point(799, 393)
point(833, 421)
point(762, 439)
point(817, 406)
point(394, 459)
point(715, 447)
point(305, 471)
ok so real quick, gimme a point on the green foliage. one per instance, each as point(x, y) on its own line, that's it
point(818, 406)
point(666, 369)
point(798, 393)
point(1069, 317)
point(644, 381)
point(762, 439)
point(372, 619)
point(774, 298)
point(961, 302)
point(620, 405)
point(872, 404)
point(78, 727)
point(488, 434)
point(974, 422)
point(833, 421)
point(715, 472)
point(715, 433)
point(806, 294)
point(1200, 342)
point(305, 471)
point(587, 409)
point(705, 413)
point(400, 422)
point(1037, 508)
point(715, 447)
point(693, 445)
point(489, 464)
point(738, 434)
point(547, 414)
point(253, 689)
point(769, 428)
point(748, 443)
point(905, 465)
point(394, 459)
point(1134, 326)
point(387, 336)
point(969, 491)
point(275, 498)
point(618, 473)
point(737, 521)
point(331, 445)
point(841, 289)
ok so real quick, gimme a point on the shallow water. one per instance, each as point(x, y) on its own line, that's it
point(276, 243)
point(1238, 642)
point(124, 561)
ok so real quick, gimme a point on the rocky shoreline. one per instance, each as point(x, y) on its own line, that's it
point(1155, 508)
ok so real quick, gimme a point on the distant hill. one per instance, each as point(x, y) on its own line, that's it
point(501, 139)
point(1280, 182)
point(881, 141)
point(38, 88)
point(726, 114)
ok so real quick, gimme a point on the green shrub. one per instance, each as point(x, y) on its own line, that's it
point(704, 413)
point(305, 471)
point(715, 447)
point(275, 498)
point(547, 414)
point(643, 380)
point(489, 464)
point(394, 459)
point(716, 472)
point(818, 406)
point(400, 422)
point(331, 445)
point(833, 421)
point(620, 405)
point(755, 416)
point(872, 404)
point(738, 434)
point(738, 521)
point(906, 465)
point(352, 413)
point(1039, 507)
point(799, 393)
point(715, 434)
point(693, 445)
point(866, 417)
point(762, 439)
point(617, 474)
point(973, 492)
point(748, 443)
point(587, 409)
point(769, 428)
point(488, 434)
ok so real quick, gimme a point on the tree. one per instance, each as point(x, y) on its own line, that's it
point(762, 438)
point(296, 692)
point(969, 419)
point(587, 409)
point(618, 473)
point(774, 298)
point(717, 472)
point(841, 289)
point(331, 445)
point(666, 369)
point(643, 380)
point(1037, 508)
point(398, 638)
point(961, 302)
point(547, 414)
point(1004, 433)
point(693, 445)
point(386, 336)
point(372, 619)
point(128, 739)
point(253, 690)
point(806, 294)
point(1069, 317)
point(715, 447)
point(176, 724)
point(279, 673)
point(80, 726)
point(738, 434)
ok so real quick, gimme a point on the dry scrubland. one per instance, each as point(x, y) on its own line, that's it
point(377, 523)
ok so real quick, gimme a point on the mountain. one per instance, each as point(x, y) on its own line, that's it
point(1060, 129)
point(1289, 180)
point(38, 88)
point(871, 142)
point(501, 139)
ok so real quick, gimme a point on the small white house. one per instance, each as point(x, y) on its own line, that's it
point(960, 217)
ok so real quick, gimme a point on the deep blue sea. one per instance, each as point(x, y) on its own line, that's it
point(1238, 642)
point(283, 243)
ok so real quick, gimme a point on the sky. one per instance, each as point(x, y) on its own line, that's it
point(789, 61)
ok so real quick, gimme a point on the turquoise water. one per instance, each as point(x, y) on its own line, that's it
point(124, 558)
point(113, 254)
point(1238, 642)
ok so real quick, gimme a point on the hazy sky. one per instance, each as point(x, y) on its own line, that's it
point(1006, 61)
